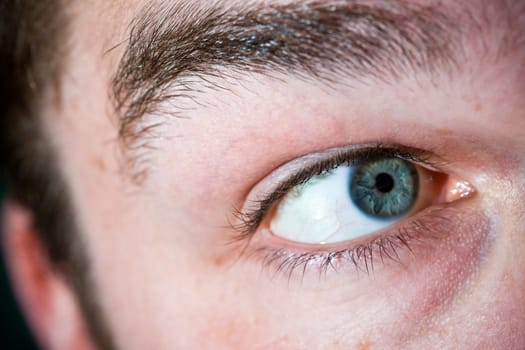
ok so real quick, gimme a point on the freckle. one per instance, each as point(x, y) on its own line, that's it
point(478, 107)
point(220, 260)
point(230, 330)
point(443, 132)
point(99, 163)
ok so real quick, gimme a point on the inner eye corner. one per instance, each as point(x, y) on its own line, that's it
point(458, 188)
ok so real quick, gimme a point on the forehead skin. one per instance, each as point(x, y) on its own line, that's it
point(164, 276)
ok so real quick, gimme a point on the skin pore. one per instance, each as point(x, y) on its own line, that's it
point(170, 272)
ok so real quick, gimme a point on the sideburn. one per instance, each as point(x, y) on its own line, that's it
point(33, 55)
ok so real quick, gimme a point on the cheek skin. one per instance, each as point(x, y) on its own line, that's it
point(345, 310)
point(448, 266)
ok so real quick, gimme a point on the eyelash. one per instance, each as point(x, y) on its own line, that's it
point(363, 255)
point(388, 246)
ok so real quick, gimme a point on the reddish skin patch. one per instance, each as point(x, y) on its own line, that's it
point(364, 344)
point(443, 132)
point(220, 260)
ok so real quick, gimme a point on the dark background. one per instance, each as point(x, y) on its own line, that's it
point(14, 334)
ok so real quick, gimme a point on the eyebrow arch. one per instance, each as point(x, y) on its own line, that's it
point(171, 45)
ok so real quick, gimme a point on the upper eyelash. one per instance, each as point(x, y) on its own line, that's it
point(249, 219)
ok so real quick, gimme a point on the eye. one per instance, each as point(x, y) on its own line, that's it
point(349, 202)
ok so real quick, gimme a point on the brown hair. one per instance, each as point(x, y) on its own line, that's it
point(30, 39)
point(33, 47)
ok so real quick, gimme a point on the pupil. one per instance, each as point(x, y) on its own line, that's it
point(384, 182)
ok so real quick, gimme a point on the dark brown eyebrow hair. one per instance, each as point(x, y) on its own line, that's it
point(172, 46)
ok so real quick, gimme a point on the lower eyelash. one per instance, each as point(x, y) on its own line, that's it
point(389, 246)
point(362, 256)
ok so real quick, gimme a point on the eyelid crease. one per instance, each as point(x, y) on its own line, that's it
point(249, 218)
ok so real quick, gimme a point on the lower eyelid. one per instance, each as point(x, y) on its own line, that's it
point(440, 233)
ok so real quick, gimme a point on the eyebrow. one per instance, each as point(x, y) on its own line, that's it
point(172, 46)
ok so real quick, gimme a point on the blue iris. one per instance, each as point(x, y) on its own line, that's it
point(385, 187)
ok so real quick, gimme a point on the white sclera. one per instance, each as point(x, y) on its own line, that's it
point(321, 212)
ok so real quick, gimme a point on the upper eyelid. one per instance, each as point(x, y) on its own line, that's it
point(304, 167)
